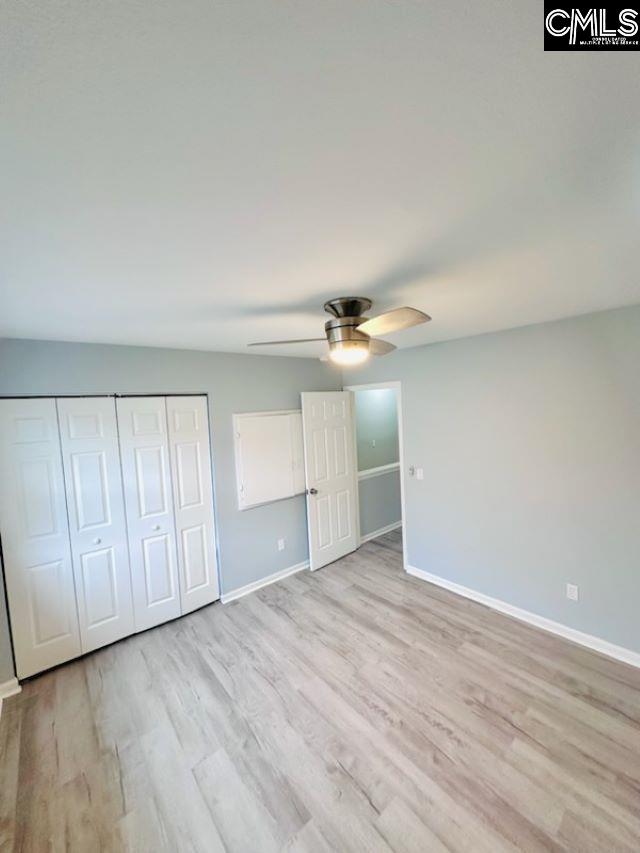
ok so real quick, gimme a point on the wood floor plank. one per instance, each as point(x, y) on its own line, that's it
point(354, 708)
point(9, 772)
point(242, 820)
point(405, 832)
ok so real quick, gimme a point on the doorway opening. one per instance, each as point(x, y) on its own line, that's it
point(379, 451)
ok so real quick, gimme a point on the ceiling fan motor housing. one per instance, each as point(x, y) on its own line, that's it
point(343, 329)
point(347, 316)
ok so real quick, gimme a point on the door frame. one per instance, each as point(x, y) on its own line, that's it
point(396, 385)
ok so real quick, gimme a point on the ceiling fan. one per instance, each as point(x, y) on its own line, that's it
point(353, 338)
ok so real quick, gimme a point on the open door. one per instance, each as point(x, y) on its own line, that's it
point(330, 467)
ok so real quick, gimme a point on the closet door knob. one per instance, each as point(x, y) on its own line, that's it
point(156, 527)
point(97, 541)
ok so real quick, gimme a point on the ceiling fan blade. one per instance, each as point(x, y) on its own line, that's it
point(393, 321)
point(275, 343)
point(378, 347)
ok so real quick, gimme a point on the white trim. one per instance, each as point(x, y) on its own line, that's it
point(372, 386)
point(379, 471)
point(595, 643)
point(356, 482)
point(380, 532)
point(9, 688)
point(397, 387)
point(226, 597)
point(267, 413)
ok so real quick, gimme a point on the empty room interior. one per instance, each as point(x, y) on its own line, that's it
point(319, 427)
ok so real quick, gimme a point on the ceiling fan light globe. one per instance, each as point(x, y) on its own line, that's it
point(349, 353)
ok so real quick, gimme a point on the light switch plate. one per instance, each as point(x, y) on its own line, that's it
point(419, 474)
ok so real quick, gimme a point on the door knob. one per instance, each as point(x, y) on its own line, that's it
point(312, 491)
point(156, 527)
point(97, 541)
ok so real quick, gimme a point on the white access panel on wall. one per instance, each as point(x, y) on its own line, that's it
point(269, 456)
point(93, 478)
point(35, 536)
point(146, 470)
point(188, 422)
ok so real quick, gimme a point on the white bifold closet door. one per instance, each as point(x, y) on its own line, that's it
point(35, 537)
point(106, 514)
point(146, 471)
point(193, 500)
point(91, 458)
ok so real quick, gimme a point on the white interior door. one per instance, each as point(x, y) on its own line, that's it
point(142, 424)
point(188, 421)
point(99, 547)
point(330, 465)
point(35, 537)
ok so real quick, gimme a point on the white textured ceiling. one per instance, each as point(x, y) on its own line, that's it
point(203, 173)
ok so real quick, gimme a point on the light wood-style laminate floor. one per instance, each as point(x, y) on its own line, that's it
point(355, 708)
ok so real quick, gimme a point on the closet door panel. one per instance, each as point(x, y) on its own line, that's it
point(91, 457)
point(193, 500)
point(142, 424)
point(35, 537)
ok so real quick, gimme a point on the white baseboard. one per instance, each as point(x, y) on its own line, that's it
point(226, 597)
point(9, 688)
point(595, 643)
point(380, 532)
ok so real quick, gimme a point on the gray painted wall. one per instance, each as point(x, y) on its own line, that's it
point(379, 502)
point(247, 541)
point(376, 420)
point(530, 444)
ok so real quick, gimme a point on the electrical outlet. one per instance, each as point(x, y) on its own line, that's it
point(419, 474)
point(572, 592)
point(280, 544)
